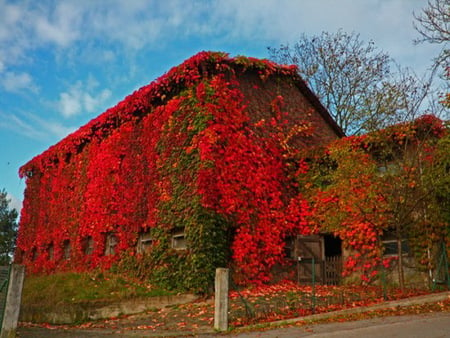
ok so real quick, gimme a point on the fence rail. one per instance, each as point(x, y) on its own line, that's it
point(252, 309)
point(326, 271)
point(4, 281)
point(333, 270)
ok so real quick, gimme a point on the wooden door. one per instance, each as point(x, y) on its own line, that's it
point(310, 259)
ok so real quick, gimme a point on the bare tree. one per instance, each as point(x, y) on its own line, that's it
point(360, 85)
point(433, 25)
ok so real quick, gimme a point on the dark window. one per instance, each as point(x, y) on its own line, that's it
point(179, 240)
point(391, 247)
point(145, 242)
point(88, 245)
point(110, 244)
point(289, 247)
point(66, 249)
point(333, 245)
point(34, 254)
point(50, 251)
point(390, 244)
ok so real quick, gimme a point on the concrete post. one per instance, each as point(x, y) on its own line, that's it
point(13, 299)
point(221, 299)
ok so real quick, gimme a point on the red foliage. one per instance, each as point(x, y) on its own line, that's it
point(359, 202)
point(118, 173)
point(112, 175)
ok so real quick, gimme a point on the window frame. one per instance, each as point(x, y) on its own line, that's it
point(177, 238)
point(144, 242)
point(111, 242)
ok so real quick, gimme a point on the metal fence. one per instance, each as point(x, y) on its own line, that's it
point(4, 282)
point(245, 309)
point(316, 296)
point(333, 270)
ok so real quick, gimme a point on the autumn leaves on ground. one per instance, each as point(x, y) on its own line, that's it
point(256, 305)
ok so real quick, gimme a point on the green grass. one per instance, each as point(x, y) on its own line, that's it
point(73, 288)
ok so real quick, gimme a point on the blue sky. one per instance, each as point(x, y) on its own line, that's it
point(64, 62)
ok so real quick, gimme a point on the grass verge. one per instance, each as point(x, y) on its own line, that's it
point(59, 289)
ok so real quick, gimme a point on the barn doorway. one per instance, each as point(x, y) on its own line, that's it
point(333, 259)
point(333, 245)
point(319, 259)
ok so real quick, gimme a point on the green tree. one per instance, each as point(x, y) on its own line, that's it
point(413, 173)
point(392, 184)
point(438, 176)
point(8, 228)
point(361, 86)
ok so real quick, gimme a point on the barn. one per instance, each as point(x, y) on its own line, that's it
point(188, 173)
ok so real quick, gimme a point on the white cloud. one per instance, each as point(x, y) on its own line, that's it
point(99, 32)
point(285, 20)
point(80, 99)
point(108, 55)
point(17, 82)
point(28, 25)
point(56, 128)
point(70, 104)
point(140, 24)
point(133, 25)
point(34, 127)
point(15, 33)
point(388, 23)
point(10, 16)
point(15, 203)
point(62, 26)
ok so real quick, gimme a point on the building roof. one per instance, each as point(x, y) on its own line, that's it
point(143, 100)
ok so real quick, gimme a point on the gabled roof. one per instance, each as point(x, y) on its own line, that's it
point(143, 100)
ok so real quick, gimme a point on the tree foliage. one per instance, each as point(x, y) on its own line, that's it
point(412, 165)
point(183, 154)
point(395, 180)
point(361, 86)
point(438, 177)
point(186, 154)
point(352, 206)
point(8, 228)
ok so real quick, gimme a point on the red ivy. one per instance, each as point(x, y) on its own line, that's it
point(111, 176)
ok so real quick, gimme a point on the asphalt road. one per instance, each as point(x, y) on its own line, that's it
point(432, 325)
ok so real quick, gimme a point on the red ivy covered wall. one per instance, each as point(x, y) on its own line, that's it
point(207, 144)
